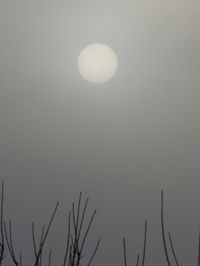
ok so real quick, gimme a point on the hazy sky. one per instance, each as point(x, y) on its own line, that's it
point(119, 142)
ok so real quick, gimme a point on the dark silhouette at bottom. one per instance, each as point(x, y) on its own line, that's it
point(77, 233)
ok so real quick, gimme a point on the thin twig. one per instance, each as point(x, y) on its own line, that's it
point(77, 237)
point(138, 259)
point(124, 249)
point(9, 242)
point(68, 239)
point(145, 240)
point(163, 230)
point(78, 211)
point(82, 217)
point(2, 243)
point(70, 256)
point(198, 263)
point(94, 252)
point(88, 229)
point(41, 238)
point(20, 259)
point(173, 251)
point(45, 236)
point(74, 242)
point(76, 225)
point(33, 238)
point(50, 253)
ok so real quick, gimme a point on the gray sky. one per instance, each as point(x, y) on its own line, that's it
point(120, 142)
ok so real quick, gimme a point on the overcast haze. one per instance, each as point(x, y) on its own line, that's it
point(120, 142)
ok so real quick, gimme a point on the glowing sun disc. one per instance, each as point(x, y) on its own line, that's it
point(97, 63)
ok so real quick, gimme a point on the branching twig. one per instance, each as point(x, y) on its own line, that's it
point(87, 230)
point(76, 239)
point(43, 237)
point(9, 241)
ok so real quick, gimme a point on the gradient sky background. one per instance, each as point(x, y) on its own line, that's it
point(120, 142)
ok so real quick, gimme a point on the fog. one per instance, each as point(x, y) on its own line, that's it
point(120, 142)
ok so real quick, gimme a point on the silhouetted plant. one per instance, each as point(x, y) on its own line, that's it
point(38, 251)
point(138, 255)
point(76, 237)
point(77, 234)
point(9, 241)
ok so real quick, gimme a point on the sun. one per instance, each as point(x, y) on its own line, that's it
point(97, 63)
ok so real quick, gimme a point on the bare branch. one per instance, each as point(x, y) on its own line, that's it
point(138, 259)
point(2, 243)
point(173, 251)
point(124, 249)
point(95, 251)
point(50, 254)
point(43, 238)
point(68, 239)
point(198, 263)
point(82, 218)
point(88, 229)
point(20, 259)
point(9, 242)
point(76, 239)
point(33, 238)
point(145, 240)
point(163, 230)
